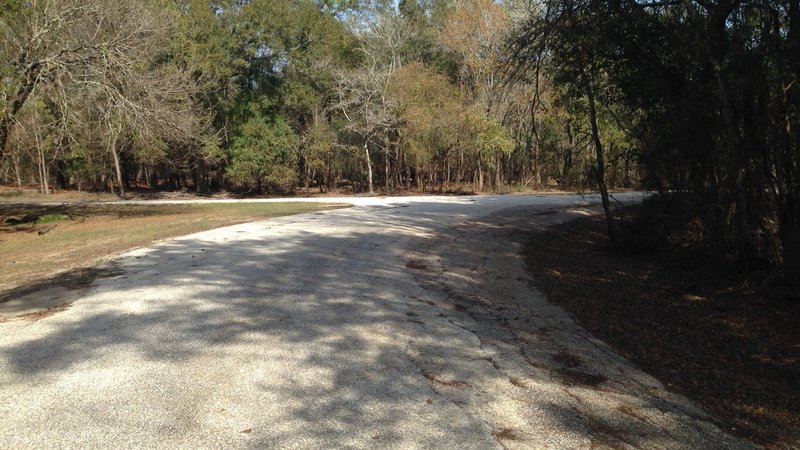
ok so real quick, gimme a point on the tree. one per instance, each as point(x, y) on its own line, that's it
point(265, 153)
point(476, 33)
point(708, 92)
point(362, 92)
point(99, 60)
point(428, 106)
point(569, 38)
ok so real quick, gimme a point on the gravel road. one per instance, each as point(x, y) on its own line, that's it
point(396, 323)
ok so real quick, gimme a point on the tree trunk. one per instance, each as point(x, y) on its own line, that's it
point(387, 164)
point(498, 179)
point(447, 172)
point(126, 171)
point(460, 170)
point(43, 185)
point(480, 173)
point(565, 172)
point(369, 167)
point(532, 149)
point(200, 184)
point(387, 177)
point(17, 171)
point(112, 147)
point(598, 148)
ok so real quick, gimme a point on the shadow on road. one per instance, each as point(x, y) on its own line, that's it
point(318, 332)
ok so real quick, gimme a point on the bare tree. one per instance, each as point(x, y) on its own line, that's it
point(476, 32)
point(362, 93)
point(99, 60)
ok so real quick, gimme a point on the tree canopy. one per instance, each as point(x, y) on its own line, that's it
point(276, 96)
point(459, 95)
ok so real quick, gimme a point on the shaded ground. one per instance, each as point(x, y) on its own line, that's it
point(523, 366)
point(400, 324)
point(731, 347)
point(43, 298)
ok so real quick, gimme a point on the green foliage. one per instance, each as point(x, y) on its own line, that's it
point(493, 138)
point(264, 152)
point(320, 146)
point(50, 218)
point(337, 7)
point(261, 92)
point(691, 88)
point(429, 107)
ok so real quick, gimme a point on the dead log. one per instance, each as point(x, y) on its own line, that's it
point(46, 229)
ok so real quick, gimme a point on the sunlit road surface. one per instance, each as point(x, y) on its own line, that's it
point(398, 322)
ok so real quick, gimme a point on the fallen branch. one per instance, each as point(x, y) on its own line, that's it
point(46, 229)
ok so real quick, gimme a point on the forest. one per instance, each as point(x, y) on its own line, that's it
point(692, 97)
point(272, 96)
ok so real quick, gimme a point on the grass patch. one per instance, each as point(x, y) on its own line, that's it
point(81, 234)
point(50, 218)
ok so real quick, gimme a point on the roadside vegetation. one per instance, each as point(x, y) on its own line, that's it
point(39, 241)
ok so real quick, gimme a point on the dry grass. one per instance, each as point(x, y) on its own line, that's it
point(83, 234)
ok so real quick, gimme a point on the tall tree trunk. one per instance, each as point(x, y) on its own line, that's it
point(386, 173)
point(17, 171)
point(200, 184)
point(601, 169)
point(399, 166)
point(460, 170)
point(42, 162)
point(567, 168)
point(369, 167)
point(537, 166)
point(480, 172)
point(498, 174)
point(112, 148)
point(447, 171)
point(387, 164)
point(306, 173)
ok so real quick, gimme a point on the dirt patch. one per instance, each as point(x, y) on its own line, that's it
point(519, 382)
point(693, 322)
point(47, 297)
point(607, 436)
point(575, 377)
point(567, 359)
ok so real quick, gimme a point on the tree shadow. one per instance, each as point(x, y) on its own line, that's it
point(311, 310)
point(318, 335)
